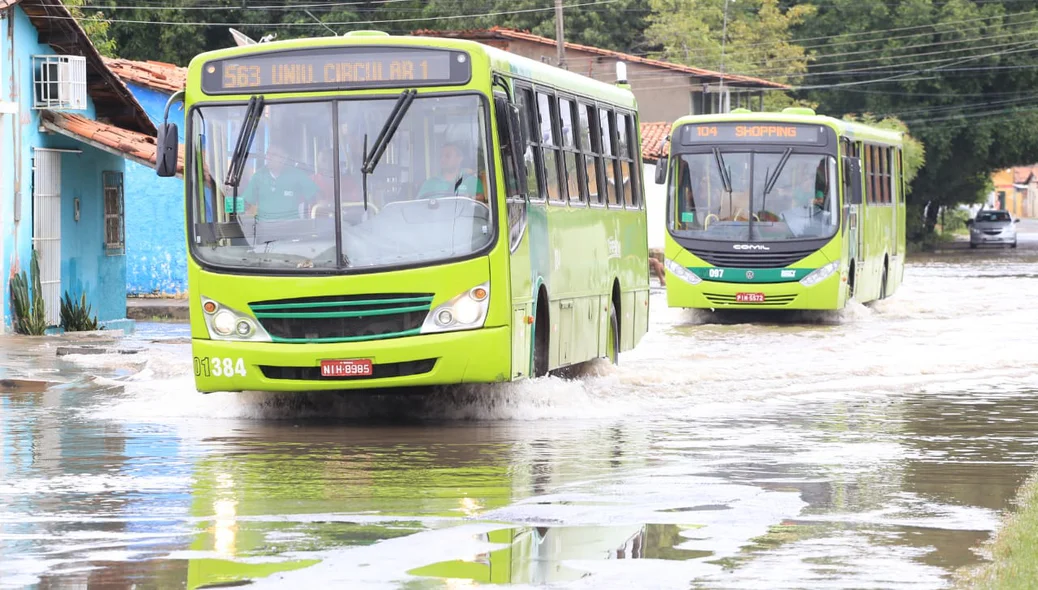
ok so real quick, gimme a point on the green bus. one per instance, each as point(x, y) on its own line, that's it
point(372, 211)
point(782, 210)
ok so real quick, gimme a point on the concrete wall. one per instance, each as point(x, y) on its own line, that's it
point(156, 250)
point(83, 266)
point(655, 206)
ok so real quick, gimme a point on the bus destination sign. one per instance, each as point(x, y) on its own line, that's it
point(780, 133)
point(335, 68)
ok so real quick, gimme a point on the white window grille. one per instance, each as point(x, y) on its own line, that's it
point(59, 82)
point(115, 225)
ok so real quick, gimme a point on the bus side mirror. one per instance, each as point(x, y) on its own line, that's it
point(661, 169)
point(166, 147)
point(852, 180)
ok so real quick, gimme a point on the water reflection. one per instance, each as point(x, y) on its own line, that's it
point(876, 452)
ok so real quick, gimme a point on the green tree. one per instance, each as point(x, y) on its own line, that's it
point(96, 26)
point(618, 25)
point(959, 73)
point(757, 36)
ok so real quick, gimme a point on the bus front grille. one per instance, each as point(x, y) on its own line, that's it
point(343, 318)
point(754, 259)
point(770, 300)
point(378, 371)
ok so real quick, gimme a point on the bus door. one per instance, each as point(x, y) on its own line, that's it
point(511, 143)
point(854, 211)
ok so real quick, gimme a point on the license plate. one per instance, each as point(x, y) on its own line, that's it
point(346, 368)
point(749, 297)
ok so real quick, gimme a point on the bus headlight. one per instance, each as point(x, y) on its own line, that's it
point(466, 311)
point(820, 274)
point(227, 323)
point(681, 272)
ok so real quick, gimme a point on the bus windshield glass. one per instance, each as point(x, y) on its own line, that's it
point(754, 196)
point(305, 201)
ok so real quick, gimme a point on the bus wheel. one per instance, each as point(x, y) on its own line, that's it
point(541, 330)
point(613, 341)
point(883, 285)
point(850, 283)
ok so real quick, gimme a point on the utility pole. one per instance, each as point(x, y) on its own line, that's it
point(559, 39)
point(724, 37)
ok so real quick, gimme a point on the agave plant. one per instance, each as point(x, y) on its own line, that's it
point(29, 315)
point(75, 315)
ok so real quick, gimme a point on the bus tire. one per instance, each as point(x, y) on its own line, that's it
point(541, 335)
point(850, 283)
point(613, 339)
point(883, 284)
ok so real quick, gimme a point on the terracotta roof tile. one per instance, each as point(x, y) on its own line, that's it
point(506, 33)
point(156, 75)
point(130, 144)
point(653, 135)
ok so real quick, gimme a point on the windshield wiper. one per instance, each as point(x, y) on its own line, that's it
point(244, 142)
point(726, 180)
point(770, 181)
point(384, 136)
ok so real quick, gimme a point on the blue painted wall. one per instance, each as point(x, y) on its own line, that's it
point(84, 265)
point(156, 250)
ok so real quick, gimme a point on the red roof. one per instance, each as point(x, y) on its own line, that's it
point(502, 33)
point(1023, 174)
point(156, 75)
point(132, 145)
point(653, 135)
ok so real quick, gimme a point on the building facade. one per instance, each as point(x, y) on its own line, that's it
point(67, 125)
point(1016, 191)
point(156, 250)
point(665, 91)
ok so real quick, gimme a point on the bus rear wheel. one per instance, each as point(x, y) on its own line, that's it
point(613, 339)
point(541, 329)
point(883, 286)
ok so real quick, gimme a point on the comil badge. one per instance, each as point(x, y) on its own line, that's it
point(749, 275)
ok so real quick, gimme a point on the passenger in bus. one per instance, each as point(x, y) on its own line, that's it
point(278, 190)
point(324, 178)
point(453, 180)
point(807, 216)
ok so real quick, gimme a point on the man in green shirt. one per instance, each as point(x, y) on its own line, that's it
point(277, 190)
point(452, 179)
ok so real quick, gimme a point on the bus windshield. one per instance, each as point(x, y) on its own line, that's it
point(298, 206)
point(754, 196)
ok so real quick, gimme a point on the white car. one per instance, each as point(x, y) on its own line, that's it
point(993, 226)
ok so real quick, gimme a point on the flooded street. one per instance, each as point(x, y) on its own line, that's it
point(874, 448)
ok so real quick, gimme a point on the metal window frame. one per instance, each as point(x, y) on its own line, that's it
point(70, 78)
point(112, 182)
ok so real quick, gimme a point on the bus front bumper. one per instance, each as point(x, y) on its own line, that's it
point(829, 293)
point(471, 356)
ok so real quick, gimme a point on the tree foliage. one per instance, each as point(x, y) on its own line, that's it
point(959, 73)
point(756, 36)
point(617, 25)
point(96, 26)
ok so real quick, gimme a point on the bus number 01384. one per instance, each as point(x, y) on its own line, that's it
point(219, 367)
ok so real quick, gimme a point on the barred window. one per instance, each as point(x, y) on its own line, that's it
point(115, 225)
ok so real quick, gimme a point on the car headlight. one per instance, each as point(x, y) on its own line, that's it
point(465, 311)
point(820, 274)
point(681, 272)
point(227, 323)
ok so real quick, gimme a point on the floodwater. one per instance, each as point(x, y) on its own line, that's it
point(874, 448)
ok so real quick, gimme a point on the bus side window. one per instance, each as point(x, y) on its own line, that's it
point(534, 164)
point(590, 146)
point(549, 145)
point(612, 177)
